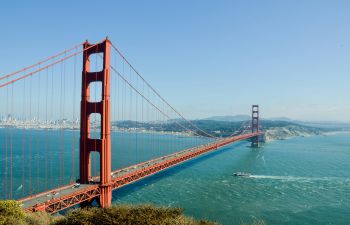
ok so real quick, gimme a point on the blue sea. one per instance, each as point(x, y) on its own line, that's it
point(295, 181)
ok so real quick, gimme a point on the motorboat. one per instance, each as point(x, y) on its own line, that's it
point(242, 174)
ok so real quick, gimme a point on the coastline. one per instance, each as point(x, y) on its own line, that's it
point(288, 132)
point(114, 130)
point(283, 136)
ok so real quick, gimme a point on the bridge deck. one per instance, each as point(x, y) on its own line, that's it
point(47, 196)
point(68, 196)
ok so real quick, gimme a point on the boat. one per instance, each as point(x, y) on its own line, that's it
point(241, 174)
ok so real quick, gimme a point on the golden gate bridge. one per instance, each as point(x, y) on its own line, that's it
point(128, 131)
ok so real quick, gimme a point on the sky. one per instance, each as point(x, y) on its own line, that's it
point(205, 57)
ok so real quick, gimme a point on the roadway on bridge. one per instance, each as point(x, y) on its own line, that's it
point(125, 176)
point(52, 194)
point(70, 189)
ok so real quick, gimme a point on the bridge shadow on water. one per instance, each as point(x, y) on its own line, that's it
point(138, 185)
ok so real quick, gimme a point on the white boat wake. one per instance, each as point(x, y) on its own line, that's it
point(20, 187)
point(296, 178)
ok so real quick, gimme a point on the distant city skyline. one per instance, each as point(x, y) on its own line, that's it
point(207, 58)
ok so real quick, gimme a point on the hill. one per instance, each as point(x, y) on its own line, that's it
point(274, 129)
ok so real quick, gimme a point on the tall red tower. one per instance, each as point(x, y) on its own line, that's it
point(255, 125)
point(103, 144)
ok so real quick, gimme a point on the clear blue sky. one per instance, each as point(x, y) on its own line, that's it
point(205, 57)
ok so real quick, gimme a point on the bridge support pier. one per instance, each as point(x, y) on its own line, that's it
point(255, 125)
point(106, 196)
point(103, 144)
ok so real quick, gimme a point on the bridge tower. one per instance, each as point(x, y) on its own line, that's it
point(255, 125)
point(103, 144)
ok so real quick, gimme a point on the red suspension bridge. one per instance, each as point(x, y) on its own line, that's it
point(128, 131)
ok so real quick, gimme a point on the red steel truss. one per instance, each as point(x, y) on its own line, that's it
point(142, 170)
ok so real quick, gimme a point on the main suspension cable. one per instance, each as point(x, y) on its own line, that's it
point(38, 63)
point(150, 86)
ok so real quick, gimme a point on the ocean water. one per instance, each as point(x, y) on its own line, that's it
point(295, 181)
point(45, 159)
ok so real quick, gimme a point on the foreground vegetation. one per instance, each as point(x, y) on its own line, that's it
point(12, 214)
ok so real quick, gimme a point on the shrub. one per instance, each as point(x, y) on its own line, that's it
point(40, 218)
point(129, 215)
point(11, 212)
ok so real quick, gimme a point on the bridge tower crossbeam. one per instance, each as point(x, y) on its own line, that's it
point(101, 145)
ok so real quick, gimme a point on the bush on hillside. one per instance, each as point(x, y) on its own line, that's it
point(128, 215)
point(12, 214)
point(40, 218)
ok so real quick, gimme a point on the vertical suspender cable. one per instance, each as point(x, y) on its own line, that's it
point(6, 140)
point(124, 153)
point(11, 144)
point(38, 135)
point(151, 127)
point(73, 176)
point(63, 115)
point(154, 118)
point(136, 129)
point(46, 130)
point(163, 143)
point(61, 130)
point(116, 113)
point(52, 146)
point(130, 117)
point(158, 133)
point(30, 138)
point(23, 134)
point(142, 124)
